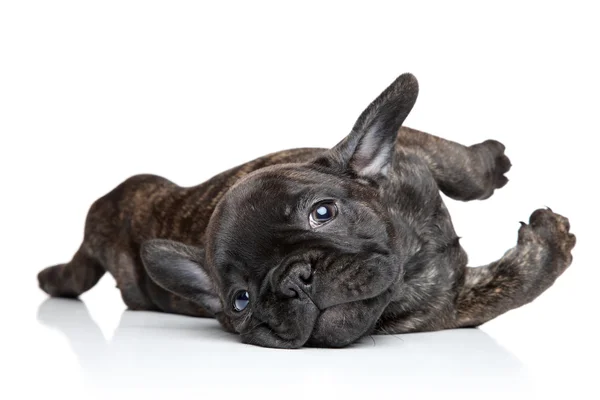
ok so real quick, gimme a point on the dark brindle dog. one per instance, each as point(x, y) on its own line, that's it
point(320, 247)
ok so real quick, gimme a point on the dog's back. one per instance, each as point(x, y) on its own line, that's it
point(141, 208)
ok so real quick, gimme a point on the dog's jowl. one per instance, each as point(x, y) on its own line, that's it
point(320, 247)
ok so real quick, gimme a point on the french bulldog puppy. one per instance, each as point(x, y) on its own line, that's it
point(320, 247)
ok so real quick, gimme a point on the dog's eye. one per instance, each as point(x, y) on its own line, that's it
point(322, 213)
point(241, 300)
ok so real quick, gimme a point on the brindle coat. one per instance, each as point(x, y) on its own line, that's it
point(389, 262)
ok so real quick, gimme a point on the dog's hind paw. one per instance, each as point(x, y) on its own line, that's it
point(551, 231)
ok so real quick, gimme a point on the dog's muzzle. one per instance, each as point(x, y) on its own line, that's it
point(285, 315)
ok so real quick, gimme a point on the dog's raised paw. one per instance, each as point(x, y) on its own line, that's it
point(494, 163)
point(552, 231)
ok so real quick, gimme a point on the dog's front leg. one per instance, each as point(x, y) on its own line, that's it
point(542, 254)
point(461, 172)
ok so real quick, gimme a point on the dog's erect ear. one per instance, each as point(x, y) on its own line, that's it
point(369, 148)
point(179, 268)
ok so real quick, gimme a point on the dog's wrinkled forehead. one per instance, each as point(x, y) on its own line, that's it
point(267, 205)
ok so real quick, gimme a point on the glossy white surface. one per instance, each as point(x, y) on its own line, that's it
point(92, 93)
point(165, 353)
point(96, 349)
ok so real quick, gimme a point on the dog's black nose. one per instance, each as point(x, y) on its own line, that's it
point(297, 281)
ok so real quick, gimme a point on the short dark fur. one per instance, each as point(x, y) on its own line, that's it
point(390, 262)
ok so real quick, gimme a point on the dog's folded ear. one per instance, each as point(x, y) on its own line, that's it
point(369, 148)
point(179, 268)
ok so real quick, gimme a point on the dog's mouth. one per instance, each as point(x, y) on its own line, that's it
point(344, 324)
point(290, 336)
point(335, 326)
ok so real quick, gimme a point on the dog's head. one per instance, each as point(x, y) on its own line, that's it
point(302, 254)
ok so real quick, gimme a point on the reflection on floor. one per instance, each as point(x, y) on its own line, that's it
point(155, 352)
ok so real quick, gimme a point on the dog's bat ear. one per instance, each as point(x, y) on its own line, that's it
point(179, 269)
point(369, 148)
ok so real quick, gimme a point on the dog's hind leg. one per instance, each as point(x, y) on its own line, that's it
point(73, 278)
point(542, 254)
point(88, 264)
point(461, 172)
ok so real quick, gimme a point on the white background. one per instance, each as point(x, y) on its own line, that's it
point(94, 92)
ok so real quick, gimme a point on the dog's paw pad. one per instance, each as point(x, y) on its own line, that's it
point(550, 230)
